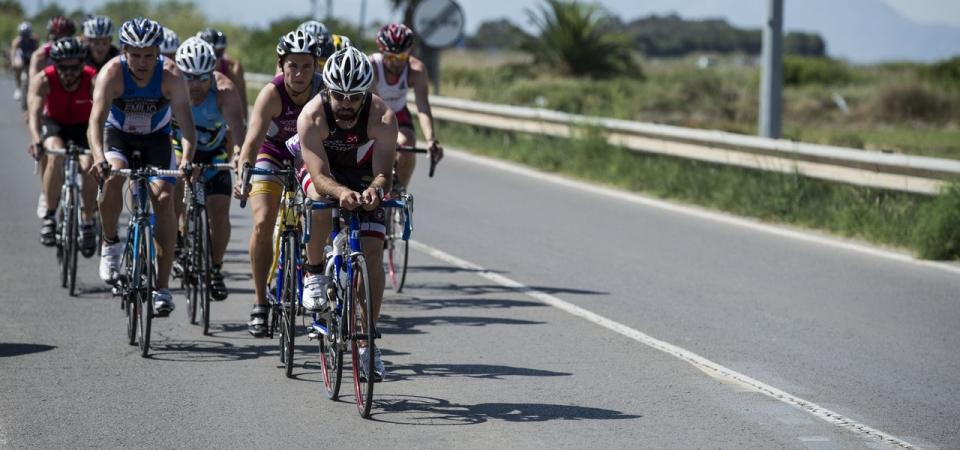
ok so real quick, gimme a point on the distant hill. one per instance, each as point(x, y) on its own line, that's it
point(663, 36)
point(869, 31)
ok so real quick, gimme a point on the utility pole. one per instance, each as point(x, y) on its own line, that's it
point(329, 10)
point(313, 9)
point(771, 85)
point(363, 18)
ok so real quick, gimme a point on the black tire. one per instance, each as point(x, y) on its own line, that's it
point(401, 248)
point(130, 299)
point(361, 309)
point(289, 303)
point(331, 350)
point(61, 242)
point(73, 239)
point(145, 290)
point(189, 278)
point(203, 270)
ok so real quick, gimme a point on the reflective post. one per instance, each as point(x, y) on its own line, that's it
point(771, 85)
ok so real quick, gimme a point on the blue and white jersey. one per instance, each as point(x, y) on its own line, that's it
point(141, 110)
point(211, 126)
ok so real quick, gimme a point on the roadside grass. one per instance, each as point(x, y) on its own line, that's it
point(889, 107)
point(928, 226)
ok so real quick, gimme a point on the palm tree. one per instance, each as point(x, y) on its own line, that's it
point(573, 41)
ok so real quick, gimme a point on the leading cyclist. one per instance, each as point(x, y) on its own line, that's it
point(348, 142)
point(139, 94)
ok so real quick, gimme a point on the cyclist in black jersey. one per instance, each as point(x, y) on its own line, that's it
point(348, 139)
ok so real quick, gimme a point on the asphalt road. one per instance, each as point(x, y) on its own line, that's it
point(476, 364)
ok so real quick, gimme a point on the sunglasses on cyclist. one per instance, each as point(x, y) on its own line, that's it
point(396, 56)
point(200, 77)
point(344, 97)
point(69, 67)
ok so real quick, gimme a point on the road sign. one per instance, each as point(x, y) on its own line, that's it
point(438, 23)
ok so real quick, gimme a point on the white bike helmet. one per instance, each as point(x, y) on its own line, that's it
point(170, 42)
point(297, 42)
point(348, 70)
point(97, 27)
point(196, 57)
point(141, 33)
point(315, 28)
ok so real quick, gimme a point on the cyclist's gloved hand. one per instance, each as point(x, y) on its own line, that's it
point(186, 168)
point(100, 171)
point(35, 150)
point(435, 151)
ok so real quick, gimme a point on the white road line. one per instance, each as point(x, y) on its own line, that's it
point(711, 368)
point(702, 213)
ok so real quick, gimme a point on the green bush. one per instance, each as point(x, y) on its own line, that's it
point(801, 70)
point(911, 100)
point(945, 72)
point(937, 234)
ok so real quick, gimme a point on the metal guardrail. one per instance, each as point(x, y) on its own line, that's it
point(915, 174)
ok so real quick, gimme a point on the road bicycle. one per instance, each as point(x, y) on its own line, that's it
point(287, 271)
point(197, 253)
point(350, 319)
point(137, 280)
point(69, 215)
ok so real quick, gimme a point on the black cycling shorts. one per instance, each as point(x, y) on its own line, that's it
point(154, 149)
point(216, 182)
point(68, 133)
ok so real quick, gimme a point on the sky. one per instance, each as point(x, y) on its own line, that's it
point(745, 13)
point(260, 12)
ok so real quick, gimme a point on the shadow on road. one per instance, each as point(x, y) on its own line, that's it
point(424, 304)
point(481, 371)
point(447, 269)
point(10, 349)
point(416, 410)
point(481, 289)
point(390, 325)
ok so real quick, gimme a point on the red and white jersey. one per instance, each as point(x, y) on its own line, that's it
point(395, 95)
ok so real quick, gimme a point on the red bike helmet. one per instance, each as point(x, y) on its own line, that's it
point(60, 26)
point(395, 38)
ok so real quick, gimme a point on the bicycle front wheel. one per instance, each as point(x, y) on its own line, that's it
point(360, 320)
point(203, 271)
point(73, 236)
point(289, 302)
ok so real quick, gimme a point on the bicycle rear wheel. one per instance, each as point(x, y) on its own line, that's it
point(331, 349)
point(73, 236)
point(400, 247)
point(144, 290)
point(129, 298)
point(361, 312)
point(288, 299)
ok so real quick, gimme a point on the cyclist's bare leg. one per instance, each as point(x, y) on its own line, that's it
point(178, 206)
point(112, 204)
point(406, 161)
point(321, 225)
point(166, 230)
point(218, 212)
point(373, 253)
point(52, 173)
point(89, 191)
point(265, 207)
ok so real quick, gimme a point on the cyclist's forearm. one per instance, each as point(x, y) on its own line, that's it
point(426, 124)
point(325, 185)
